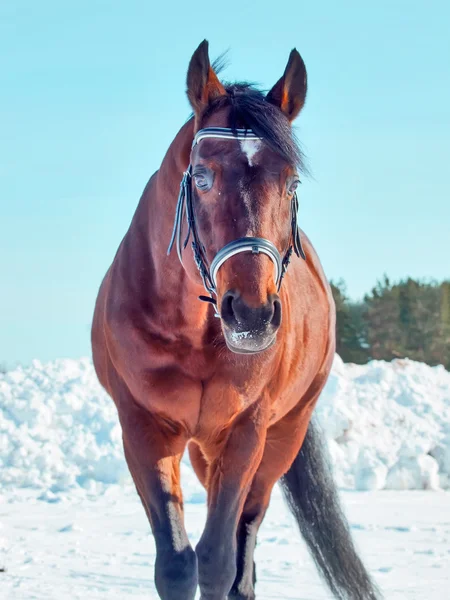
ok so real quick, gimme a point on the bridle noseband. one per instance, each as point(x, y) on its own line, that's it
point(245, 244)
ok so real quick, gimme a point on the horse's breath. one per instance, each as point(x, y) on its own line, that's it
point(171, 368)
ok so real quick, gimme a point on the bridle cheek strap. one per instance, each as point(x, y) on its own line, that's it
point(245, 244)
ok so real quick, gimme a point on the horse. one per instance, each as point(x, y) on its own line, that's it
point(224, 345)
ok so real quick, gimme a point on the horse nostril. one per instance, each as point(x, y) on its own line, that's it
point(276, 316)
point(227, 310)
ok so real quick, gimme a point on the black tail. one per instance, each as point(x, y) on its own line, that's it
point(312, 497)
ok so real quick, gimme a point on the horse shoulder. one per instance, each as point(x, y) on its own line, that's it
point(307, 343)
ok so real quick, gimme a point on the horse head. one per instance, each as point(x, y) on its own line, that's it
point(241, 196)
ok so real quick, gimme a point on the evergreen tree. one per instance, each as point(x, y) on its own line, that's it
point(350, 327)
point(407, 319)
point(382, 319)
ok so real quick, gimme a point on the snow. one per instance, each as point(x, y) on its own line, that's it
point(71, 525)
point(98, 549)
point(387, 426)
point(58, 429)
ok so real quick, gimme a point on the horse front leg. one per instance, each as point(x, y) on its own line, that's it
point(153, 450)
point(283, 442)
point(229, 478)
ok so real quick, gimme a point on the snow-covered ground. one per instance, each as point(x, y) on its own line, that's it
point(71, 525)
point(101, 549)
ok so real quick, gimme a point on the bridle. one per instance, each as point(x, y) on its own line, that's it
point(255, 245)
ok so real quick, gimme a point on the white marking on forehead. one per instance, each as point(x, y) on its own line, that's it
point(250, 148)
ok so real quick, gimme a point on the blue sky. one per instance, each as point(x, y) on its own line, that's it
point(93, 92)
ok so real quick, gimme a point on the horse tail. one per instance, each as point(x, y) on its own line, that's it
point(312, 497)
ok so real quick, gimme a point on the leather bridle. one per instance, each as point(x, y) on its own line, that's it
point(255, 245)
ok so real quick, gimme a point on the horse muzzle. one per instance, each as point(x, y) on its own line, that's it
point(248, 330)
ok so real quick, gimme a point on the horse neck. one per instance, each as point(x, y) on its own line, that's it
point(170, 281)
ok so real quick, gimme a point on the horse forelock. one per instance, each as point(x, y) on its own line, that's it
point(249, 109)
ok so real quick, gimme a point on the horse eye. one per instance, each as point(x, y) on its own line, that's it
point(293, 186)
point(203, 181)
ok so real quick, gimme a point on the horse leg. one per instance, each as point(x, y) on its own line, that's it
point(153, 450)
point(230, 474)
point(198, 461)
point(283, 442)
point(293, 452)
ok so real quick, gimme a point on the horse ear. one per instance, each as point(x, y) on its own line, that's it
point(203, 85)
point(289, 93)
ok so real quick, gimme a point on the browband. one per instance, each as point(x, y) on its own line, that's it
point(224, 134)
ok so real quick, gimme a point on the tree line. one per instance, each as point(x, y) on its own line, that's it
point(409, 319)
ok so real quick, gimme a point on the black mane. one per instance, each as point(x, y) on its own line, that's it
point(250, 110)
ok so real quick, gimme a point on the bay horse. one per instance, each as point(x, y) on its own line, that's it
point(225, 348)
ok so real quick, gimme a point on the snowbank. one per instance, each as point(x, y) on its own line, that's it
point(387, 426)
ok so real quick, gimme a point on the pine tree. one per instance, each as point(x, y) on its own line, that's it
point(410, 319)
point(382, 321)
point(350, 327)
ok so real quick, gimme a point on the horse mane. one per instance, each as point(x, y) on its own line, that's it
point(249, 109)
